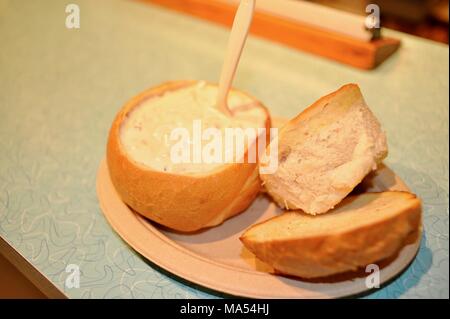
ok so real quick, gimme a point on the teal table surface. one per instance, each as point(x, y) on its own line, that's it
point(61, 88)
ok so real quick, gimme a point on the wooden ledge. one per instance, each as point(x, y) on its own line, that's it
point(332, 45)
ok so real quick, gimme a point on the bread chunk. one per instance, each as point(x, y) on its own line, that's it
point(361, 230)
point(325, 152)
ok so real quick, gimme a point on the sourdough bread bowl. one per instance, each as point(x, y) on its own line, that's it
point(188, 196)
point(361, 230)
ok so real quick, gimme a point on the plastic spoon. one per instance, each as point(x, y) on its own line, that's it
point(239, 32)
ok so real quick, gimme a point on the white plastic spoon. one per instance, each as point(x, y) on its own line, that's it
point(239, 32)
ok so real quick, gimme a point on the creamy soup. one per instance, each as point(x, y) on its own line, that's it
point(146, 133)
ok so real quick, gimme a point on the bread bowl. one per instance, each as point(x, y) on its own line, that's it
point(361, 230)
point(182, 197)
point(326, 151)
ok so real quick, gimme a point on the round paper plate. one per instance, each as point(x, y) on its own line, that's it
point(215, 258)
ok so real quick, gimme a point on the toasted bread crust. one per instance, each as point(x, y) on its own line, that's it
point(181, 202)
point(321, 103)
point(338, 252)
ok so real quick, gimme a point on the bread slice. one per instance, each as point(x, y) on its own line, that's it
point(362, 230)
point(184, 197)
point(325, 152)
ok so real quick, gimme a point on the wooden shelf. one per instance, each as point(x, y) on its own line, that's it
point(332, 45)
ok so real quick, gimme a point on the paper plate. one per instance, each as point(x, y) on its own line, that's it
point(215, 258)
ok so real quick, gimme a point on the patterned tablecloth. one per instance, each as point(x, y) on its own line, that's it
point(60, 89)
